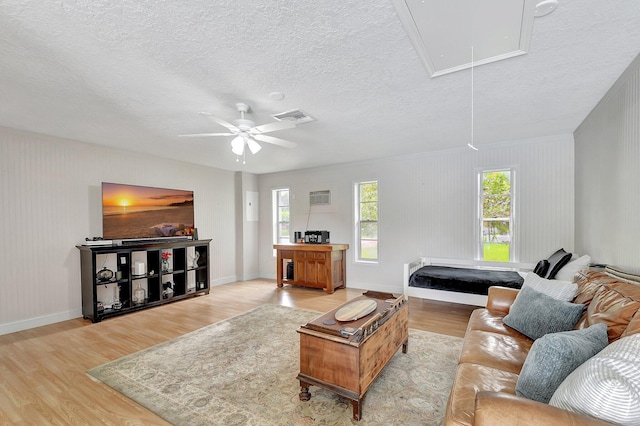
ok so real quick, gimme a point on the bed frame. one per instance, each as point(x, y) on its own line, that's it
point(454, 296)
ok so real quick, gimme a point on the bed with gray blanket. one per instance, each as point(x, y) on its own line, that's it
point(460, 281)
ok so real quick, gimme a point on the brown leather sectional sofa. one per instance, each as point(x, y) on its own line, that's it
point(492, 356)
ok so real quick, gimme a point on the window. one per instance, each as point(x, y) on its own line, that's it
point(367, 221)
point(496, 215)
point(281, 217)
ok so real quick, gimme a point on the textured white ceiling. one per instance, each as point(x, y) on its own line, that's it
point(134, 74)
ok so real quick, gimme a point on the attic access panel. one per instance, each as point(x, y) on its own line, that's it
point(443, 31)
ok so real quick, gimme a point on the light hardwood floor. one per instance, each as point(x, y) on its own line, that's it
point(42, 370)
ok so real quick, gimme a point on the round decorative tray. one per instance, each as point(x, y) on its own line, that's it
point(356, 310)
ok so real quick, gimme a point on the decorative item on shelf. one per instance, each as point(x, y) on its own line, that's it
point(165, 261)
point(167, 290)
point(104, 275)
point(138, 269)
point(139, 295)
point(100, 307)
point(117, 305)
point(194, 259)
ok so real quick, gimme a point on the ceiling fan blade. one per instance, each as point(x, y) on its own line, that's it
point(198, 135)
point(275, 141)
point(222, 122)
point(272, 127)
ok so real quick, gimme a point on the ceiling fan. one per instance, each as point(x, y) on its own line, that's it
point(247, 133)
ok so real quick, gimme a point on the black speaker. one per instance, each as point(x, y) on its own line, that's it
point(290, 271)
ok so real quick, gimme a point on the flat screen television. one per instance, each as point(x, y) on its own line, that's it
point(131, 212)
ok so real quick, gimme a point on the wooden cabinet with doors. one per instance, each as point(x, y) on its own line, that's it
point(314, 265)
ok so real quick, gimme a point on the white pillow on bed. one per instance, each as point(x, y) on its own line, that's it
point(568, 271)
point(560, 290)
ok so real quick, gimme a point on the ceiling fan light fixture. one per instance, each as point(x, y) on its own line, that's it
point(246, 132)
point(254, 146)
point(237, 145)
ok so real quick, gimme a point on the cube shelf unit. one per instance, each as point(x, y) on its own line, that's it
point(110, 275)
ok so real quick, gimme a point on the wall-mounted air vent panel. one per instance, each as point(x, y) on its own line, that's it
point(295, 115)
point(317, 198)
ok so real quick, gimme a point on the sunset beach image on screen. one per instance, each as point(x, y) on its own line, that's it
point(132, 211)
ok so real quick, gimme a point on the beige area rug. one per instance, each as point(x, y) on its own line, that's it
point(242, 371)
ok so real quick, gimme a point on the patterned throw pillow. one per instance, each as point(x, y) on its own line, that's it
point(554, 356)
point(560, 290)
point(607, 386)
point(535, 314)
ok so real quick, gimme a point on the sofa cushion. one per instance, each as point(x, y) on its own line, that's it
point(633, 327)
point(607, 386)
point(535, 314)
point(561, 290)
point(556, 261)
point(612, 302)
point(553, 356)
point(588, 283)
point(469, 380)
point(495, 350)
point(612, 308)
point(485, 320)
point(568, 271)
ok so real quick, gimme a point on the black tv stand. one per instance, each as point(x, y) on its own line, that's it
point(146, 241)
point(111, 274)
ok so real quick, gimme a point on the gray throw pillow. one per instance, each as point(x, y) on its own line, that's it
point(554, 356)
point(535, 314)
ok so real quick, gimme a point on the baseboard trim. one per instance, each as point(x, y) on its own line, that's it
point(26, 324)
point(225, 280)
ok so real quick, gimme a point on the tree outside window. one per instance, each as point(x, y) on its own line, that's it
point(281, 216)
point(496, 215)
point(367, 220)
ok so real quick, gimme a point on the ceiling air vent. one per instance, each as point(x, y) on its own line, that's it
point(317, 198)
point(295, 115)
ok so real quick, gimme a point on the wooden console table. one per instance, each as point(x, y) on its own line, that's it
point(346, 357)
point(314, 265)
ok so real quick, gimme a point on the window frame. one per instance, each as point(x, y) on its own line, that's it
point(275, 202)
point(357, 222)
point(479, 241)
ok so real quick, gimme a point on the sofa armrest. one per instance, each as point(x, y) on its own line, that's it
point(499, 408)
point(501, 298)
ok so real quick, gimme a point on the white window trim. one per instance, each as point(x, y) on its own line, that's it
point(274, 216)
point(514, 249)
point(356, 222)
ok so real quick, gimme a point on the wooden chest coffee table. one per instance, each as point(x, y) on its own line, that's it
point(346, 357)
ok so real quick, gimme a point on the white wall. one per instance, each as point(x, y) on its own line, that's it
point(608, 175)
point(428, 204)
point(51, 201)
